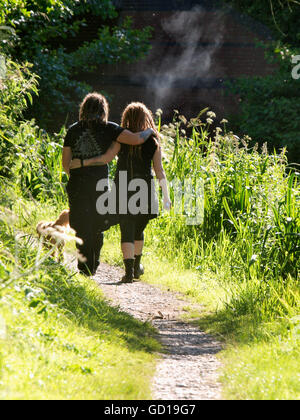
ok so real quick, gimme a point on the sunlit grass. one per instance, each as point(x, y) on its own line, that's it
point(59, 337)
point(260, 359)
point(241, 264)
point(57, 358)
point(167, 273)
point(265, 370)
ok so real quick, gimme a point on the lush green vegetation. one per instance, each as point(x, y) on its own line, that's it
point(59, 339)
point(242, 262)
point(281, 16)
point(56, 37)
point(270, 105)
point(29, 156)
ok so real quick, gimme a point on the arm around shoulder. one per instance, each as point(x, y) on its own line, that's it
point(101, 160)
point(135, 139)
point(107, 157)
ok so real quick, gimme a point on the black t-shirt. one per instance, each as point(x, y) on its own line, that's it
point(137, 161)
point(91, 140)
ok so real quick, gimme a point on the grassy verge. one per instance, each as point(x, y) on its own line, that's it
point(242, 262)
point(261, 358)
point(59, 338)
point(165, 272)
point(63, 341)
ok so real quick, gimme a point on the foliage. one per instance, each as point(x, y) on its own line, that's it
point(251, 199)
point(16, 91)
point(37, 162)
point(245, 253)
point(281, 16)
point(270, 105)
point(28, 155)
point(242, 263)
point(251, 215)
point(59, 338)
point(51, 35)
point(33, 160)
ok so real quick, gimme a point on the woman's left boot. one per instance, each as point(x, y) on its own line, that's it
point(129, 271)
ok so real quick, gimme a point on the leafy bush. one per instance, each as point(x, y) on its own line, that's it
point(48, 34)
point(16, 91)
point(281, 16)
point(28, 156)
point(17, 88)
point(37, 163)
point(270, 105)
point(251, 228)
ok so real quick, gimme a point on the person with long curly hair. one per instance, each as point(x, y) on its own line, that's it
point(134, 168)
point(91, 136)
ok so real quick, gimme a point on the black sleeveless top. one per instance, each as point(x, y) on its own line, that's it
point(137, 161)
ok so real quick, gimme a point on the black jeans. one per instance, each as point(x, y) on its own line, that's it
point(85, 220)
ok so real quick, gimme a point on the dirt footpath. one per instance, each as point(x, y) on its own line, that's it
point(189, 369)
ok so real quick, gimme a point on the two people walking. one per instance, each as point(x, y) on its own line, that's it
point(90, 145)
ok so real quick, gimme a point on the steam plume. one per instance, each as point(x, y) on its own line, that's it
point(198, 37)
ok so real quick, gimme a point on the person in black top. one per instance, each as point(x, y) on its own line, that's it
point(134, 169)
point(91, 136)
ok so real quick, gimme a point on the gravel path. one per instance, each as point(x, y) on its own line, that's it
point(188, 370)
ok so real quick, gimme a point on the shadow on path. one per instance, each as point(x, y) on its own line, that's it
point(82, 303)
point(188, 369)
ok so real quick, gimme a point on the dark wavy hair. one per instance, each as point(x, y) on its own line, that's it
point(93, 108)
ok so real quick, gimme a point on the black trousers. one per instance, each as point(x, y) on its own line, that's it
point(132, 228)
point(85, 220)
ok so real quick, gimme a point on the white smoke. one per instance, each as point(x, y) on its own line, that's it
point(198, 37)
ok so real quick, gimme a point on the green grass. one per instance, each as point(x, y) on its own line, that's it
point(263, 371)
point(60, 338)
point(85, 352)
point(166, 273)
point(242, 264)
point(261, 358)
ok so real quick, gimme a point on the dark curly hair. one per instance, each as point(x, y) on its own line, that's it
point(94, 107)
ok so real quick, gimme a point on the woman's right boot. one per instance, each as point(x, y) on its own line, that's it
point(138, 268)
point(129, 271)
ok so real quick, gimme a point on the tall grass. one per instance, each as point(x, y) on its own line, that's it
point(251, 228)
point(59, 337)
point(248, 244)
point(38, 164)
